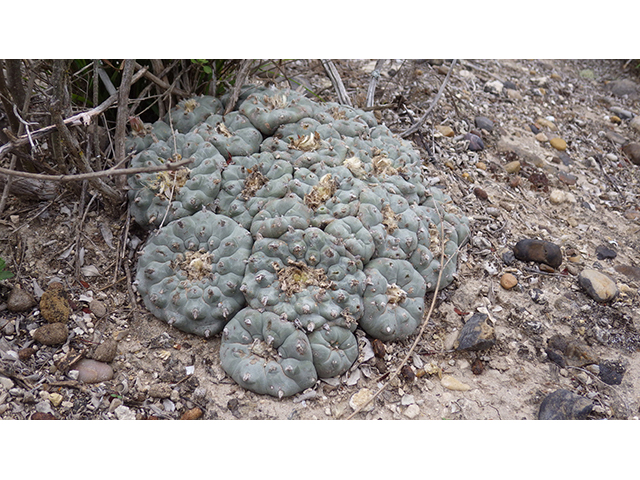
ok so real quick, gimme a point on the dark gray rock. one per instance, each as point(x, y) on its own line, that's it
point(540, 251)
point(622, 113)
point(484, 123)
point(611, 372)
point(603, 252)
point(20, 300)
point(477, 334)
point(564, 405)
point(475, 142)
point(623, 87)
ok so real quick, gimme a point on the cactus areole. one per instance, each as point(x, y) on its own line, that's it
point(296, 223)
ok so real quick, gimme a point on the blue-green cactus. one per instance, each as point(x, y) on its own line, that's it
point(266, 354)
point(190, 272)
point(334, 228)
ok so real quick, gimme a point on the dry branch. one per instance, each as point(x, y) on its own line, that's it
point(82, 118)
point(334, 76)
point(375, 76)
point(241, 75)
point(416, 126)
point(161, 83)
point(115, 170)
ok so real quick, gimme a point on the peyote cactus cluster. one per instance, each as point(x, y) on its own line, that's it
point(295, 224)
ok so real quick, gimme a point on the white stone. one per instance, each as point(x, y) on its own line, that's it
point(412, 411)
point(6, 383)
point(557, 196)
point(124, 413)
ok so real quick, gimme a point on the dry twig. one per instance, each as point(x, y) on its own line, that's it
point(416, 126)
point(241, 76)
point(375, 76)
point(115, 170)
point(82, 118)
point(334, 76)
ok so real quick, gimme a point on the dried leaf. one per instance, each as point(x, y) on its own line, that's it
point(90, 271)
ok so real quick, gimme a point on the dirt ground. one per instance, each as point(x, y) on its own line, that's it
point(582, 198)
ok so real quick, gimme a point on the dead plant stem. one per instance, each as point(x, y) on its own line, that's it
point(416, 126)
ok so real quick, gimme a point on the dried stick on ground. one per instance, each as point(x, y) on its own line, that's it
point(334, 76)
point(425, 321)
point(375, 76)
point(416, 126)
point(241, 76)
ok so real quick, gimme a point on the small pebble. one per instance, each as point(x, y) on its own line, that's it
point(193, 414)
point(632, 151)
point(452, 383)
point(510, 85)
point(360, 398)
point(160, 390)
point(568, 351)
point(603, 252)
point(26, 353)
point(567, 178)
point(514, 94)
point(615, 137)
point(477, 367)
point(475, 142)
point(557, 197)
point(42, 416)
point(480, 193)
point(445, 130)
point(495, 87)
point(55, 399)
point(541, 137)
point(623, 87)
point(512, 167)
point(635, 123)
point(543, 122)
point(588, 74)
point(558, 143)
point(564, 405)
point(54, 305)
point(52, 334)
point(477, 333)
point(508, 281)
point(19, 300)
point(622, 113)
point(412, 411)
point(598, 285)
point(611, 372)
point(484, 123)
point(124, 413)
point(539, 251)
point(106, 351)
point(615, 119)
point(97, 308)
point(91, 371)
